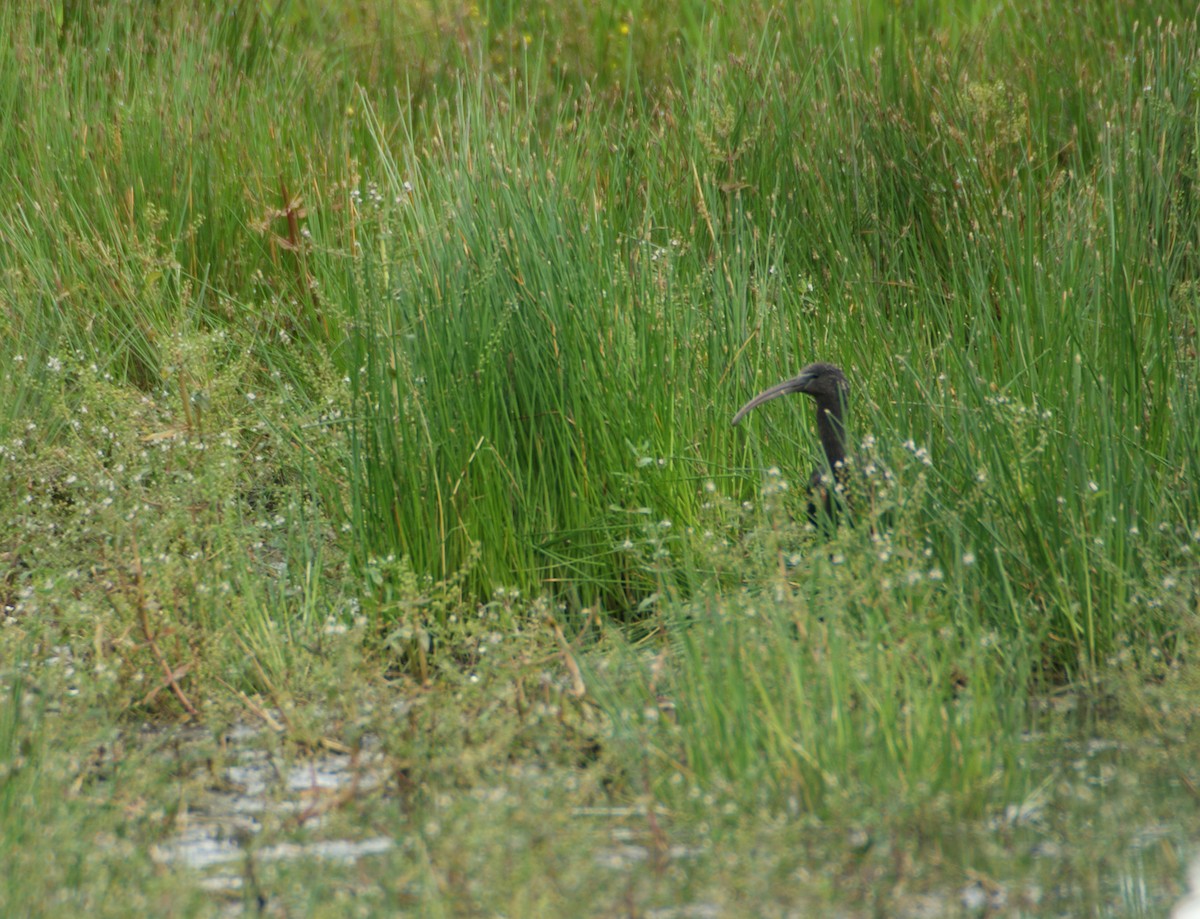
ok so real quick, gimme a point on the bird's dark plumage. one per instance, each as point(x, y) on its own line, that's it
point(831, 392)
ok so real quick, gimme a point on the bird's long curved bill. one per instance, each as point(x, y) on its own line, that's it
point(795, 384)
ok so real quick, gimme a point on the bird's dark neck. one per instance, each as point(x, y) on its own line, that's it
point(831, 429)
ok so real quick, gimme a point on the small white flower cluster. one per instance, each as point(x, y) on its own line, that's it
point(920, 453)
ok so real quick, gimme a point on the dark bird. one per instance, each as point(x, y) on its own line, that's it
point(828, 387)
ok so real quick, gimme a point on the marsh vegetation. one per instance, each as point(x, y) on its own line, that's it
point(365, 382)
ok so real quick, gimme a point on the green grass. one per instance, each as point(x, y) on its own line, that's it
point(354, 356)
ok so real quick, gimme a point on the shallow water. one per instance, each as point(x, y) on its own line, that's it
point(219, 835)
point(220, 828)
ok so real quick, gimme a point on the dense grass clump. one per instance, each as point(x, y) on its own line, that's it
point(564, 349)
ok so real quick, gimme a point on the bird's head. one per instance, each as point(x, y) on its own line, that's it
point(824, 382)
